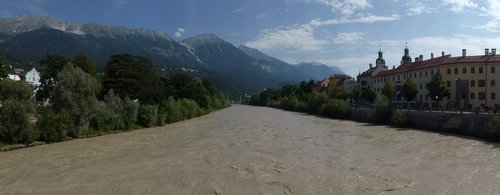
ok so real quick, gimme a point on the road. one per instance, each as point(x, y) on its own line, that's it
point(257, 150)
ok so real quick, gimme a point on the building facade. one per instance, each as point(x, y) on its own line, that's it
point(470, 79)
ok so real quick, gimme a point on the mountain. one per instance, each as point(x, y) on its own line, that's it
point(300, 72)
point(232, 69)
point(30, 38)
point(318, 70)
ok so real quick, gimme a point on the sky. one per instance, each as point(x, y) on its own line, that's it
point(343, 33)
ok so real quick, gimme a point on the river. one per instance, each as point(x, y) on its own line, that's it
point(257, 150)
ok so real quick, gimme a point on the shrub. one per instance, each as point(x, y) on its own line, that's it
point(173, 110)
point(105, 119)
point(336, 109)
point(52, 126)
point(399, 118)
point(16, 108)
point(316, 101)
point(129, 113)
point(190, 108)
point(148, 115)
point(382, 110)
point(494, 126)
point(300, 106)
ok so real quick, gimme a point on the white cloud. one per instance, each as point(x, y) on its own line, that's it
point(348, 38)
point(179, 32)
point(344, 7)
point(492, 11)
point(238, 10)
point(459, 5)
point(419, 7)
point(296, 37)
point(365, 19)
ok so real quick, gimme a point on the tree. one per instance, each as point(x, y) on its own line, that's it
point(53, 65)
point(3, 72)
point(388, 90)
point(16, 108)
point(356, 92)
point(369, 94)
point(409, 90)
point(134, 77)
point(86, 64)
point(437, 88)
point(75, 96)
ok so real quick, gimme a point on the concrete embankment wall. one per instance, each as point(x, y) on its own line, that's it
point(465, 124)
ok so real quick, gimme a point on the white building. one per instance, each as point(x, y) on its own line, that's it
point(33, 77)
point(14, 77)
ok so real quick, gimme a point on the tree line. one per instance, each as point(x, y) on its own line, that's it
point(337, 103)
point(74, 101)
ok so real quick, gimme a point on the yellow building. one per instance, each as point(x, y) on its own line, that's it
point(470, 79)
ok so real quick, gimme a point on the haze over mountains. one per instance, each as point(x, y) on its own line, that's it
point(232, 69)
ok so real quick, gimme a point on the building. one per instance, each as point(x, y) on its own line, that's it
point(470, 79)
point(14, 77)
point(365, 78)
point(33, 77)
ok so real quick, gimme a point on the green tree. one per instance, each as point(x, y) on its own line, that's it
point(388, 90)
point(53, 64)
point(134, 77)
point(409, 90)
point(17, 106)
point(369, 94)
point(356, 93)
point(75, 95)
point(3, 72)
point(437, 88)
point(86, 64)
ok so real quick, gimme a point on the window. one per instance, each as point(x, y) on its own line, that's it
point(448, 83)
point(420, 74)
point(425, 73)
point(432, 72)
point(414, 75)
point(492, 69)
point(472, 96)
point(481, 96)
point(456, 70)
point(448, 71)
point(404, 77)
point(493, 96)
point(464, 70)
point(399, 78)
point(480, 70)
point(472, 70)
point(392, 78)
point(472, 83)
point(492, 83)
point(481, 83)
point(420, 85)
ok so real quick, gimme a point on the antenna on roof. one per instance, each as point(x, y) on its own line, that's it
point(406, 43)
point(380, 47)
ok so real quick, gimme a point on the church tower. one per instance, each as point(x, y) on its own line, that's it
point(406, 58)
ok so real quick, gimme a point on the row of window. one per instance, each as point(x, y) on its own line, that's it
point(472, 70)
point(482, 96)
point(410, 76)
point(480, 83)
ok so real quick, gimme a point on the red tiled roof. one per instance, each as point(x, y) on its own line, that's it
point(442, 60)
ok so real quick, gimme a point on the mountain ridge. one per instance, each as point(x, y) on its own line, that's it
point(30, 38)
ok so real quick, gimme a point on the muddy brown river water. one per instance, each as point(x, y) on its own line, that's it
point(256, 150)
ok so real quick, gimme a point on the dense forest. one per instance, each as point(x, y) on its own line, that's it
point(75, 101)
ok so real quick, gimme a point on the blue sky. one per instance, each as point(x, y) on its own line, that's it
point(344, 33)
